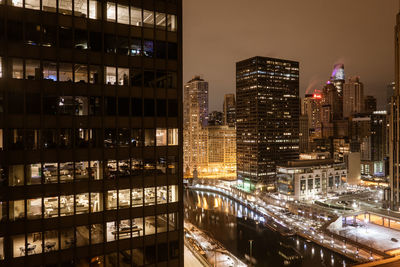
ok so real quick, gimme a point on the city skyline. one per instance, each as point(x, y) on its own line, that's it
point(359, 36)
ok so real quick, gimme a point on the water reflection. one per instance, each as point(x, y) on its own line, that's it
point(234, 225)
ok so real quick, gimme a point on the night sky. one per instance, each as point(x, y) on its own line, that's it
point(317, 33)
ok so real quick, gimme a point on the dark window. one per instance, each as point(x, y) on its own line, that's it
point(123, 106)
point(48, 138)
point(110, 137)
point(172, 51)
point(2, 35)
point(15, 139)
point(148, 48)
point(97, 138)
point(33, 103)
point(94, 105)
point(149, 107)
point(161, 107)
point(172, 80)
point(50, 105)
point(81, 39)
point(95, 41)
point(161, 79)
point(161, 49)
point(15, 103)
point(110, 106)
point(65, 138)
point(162, 252)
point(136, 77)
point(148, 78)
point(174, 250)
point(32, 34)
point(172, 108)
point(65, 37)
point(14, 31)
point(137, 107)
point(150, 254)
point(122, 46)
point(109, 43)
point(49, 35)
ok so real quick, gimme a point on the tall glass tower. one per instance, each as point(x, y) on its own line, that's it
point(91, 135)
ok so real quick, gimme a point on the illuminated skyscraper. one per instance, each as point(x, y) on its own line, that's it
point(338, 78)
point(195, 121)
point(353, 97)
point(229, 110)
point(311, 107)
point(267, 118)
point(91, 164)
point(394, 133)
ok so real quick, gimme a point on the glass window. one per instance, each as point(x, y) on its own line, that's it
point(123, 14)
point(49, 35)
point(136, 137)
point(124, 199)
point(172, 108)
point(110, 43)
point(65, 7)
point(111, 169)
point(96, 169)
point(161, 20)
point(3, 210)
point(94, 74)
point(65, 72)
point(150, 196)
point(18, 245)
point(136, 167)
point(50, 172)
point(81, 105)
point(123, 138)
point(136, 78)
point(93, 9)
point(14, 30)
point(66, 172)
point(32, 33)
point(111, 233)
point(161, 49)
point(111, 16)
point(32, 4)
point(65, 37)
point(149, 107)
point(172, 51)
point(17, 210)
point(82, 236)
point(149, 137)
point(123, 108)
point(1, 67)
point(161, 106)
point(162, 193)
point(148, 18)
point(49, 5)
point(171, 23)
point(81, 170)
point(136, 16)
point(51, 241)
point(137, 197)
point(32, 69)
point(96, 202)
point(162, 222)
point(17, 3)
point(149, 166)
point(123, 74)
point(173, 221)
point(148, 80)
point(172, 165)
point(122, 46)
point(1, 248)
point(80, 8)
point(67, 238)
point(34, 208)
point(50, 207)
point(173, 193)
point(95, 41)
point(50, 70)
point(148, 48)
point(82, 203)
point(111, 75)
point(16, 175)
point(150, 222)
point(96, 231)
point(173, 136)
point(81, 39)
point(161, 137)
point(136, 47)
point(161, 165)
point(17, 68)
point(34, 243)
point(110, 138)
point(67, 205)
point(34, 173)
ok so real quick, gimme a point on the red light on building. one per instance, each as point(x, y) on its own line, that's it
point(317, 96)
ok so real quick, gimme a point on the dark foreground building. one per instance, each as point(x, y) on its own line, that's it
point(91, 136)
point(267, 118)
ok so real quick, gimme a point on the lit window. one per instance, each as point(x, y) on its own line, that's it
point(161, 137)
point(93, 9)
point(111, 75)
point(173, 136)
point(32, 4)
point(161, 20)
point(136, 16)
point(65, 7)
point(171, 23)
point(80, 8)
point(17, 3)
point(17, 68)
point(49, 5)
point(148, 18)
point(111, 16)
point(123, 14)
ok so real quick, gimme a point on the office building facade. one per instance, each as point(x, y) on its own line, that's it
point(353, 97)
point(267, 118)
point(91, 151)
point(229, 109)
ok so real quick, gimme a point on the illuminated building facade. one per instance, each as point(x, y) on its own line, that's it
point(215, 118)
point(221, 152)
point(311, 107)
point(310, 179)
point(195, 121)
point(91, 121)
point(338, 78)
point(229, 110)
point(353, 97)
point(267, 118)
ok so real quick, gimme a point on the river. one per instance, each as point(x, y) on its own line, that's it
point(233, 225)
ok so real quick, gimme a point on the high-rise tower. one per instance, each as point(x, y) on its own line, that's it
point(229, 110)
point(90, 114)
point(267, 118)
point(353, 97)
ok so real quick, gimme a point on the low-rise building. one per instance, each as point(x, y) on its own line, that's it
point(310, 179)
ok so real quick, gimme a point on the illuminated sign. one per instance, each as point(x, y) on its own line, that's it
point(317, 96)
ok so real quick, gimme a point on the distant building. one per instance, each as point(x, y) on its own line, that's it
point(195, 120)
point(267, 118)
point(390, 89)
point(311, 107)
point(353, 161)
point(303, 133)
point(353, 97)
point(309, 179)
point(222, 151)
point(215, 118)
point(229, 110)
point(369, 104)
point(338, 78)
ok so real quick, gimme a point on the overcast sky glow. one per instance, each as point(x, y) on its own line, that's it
point(317, 33)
